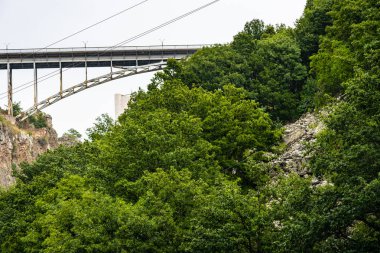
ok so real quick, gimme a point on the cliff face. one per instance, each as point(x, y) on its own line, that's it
point(19, 145)
point(297, 137)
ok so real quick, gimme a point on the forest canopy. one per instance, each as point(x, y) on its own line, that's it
point(187, 167)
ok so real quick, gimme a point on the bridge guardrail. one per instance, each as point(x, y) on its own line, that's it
point(32, 51)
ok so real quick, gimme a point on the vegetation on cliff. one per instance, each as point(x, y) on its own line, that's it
point(185, 168)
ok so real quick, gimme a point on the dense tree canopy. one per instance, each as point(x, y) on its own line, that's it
point(264, 60)
point(347, 214)
point(187, 167)
point(311, 26)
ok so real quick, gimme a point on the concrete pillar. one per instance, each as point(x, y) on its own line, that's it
point(111, 69)
point(85, 61)
point(10, 90)
point(60, 79)
point(35, 85)
point(121, 104)
point(85, 67)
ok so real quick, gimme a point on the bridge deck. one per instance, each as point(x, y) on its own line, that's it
point(93, 57)
point(140, 59)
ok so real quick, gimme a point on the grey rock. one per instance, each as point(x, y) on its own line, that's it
point(297, 136)
point(21, 145)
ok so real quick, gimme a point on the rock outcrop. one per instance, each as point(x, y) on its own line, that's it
point(297, 136)
point(22, 145)
point(68, 140)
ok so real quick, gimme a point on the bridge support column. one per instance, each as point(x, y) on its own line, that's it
point(85, 66)
point(35, 85)
point(60, 79)
point(10, 90)
point(111, 69)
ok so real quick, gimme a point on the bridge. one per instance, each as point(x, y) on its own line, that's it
point(122, 61)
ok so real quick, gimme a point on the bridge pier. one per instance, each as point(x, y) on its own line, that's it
point(60, 79)
point(10, 90)
point(111, 69)
point(35, 85)
point(85, 67)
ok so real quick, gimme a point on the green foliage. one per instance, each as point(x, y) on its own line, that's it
point(187, 128)
point(110, 195)
point(214, 67)
point(17, 209)
point(102, 125)
point(351, 43)
point(187, 167)
point(178, 213)
point(74, 133)
point(255, 28)
point(264, 60)
point(38, 120)
point(289, 215)
point(309, 98)
point(332, 66)
point(16, 109)
point(311, 26)
point(74, 218)
point(278, 75)
point(72, 136)
point(347, 215)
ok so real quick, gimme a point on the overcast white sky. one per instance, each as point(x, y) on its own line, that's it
point(37, 23)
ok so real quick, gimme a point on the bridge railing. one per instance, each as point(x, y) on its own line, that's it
point(32, 51)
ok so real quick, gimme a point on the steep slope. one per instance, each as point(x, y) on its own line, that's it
point(22, 145)
point(297, 136)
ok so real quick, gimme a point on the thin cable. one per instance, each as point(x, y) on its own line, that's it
point(162, 25)
point(142, 34)
point(42, 78)
point(78, 32)
point(91, 26)
point(24, 84)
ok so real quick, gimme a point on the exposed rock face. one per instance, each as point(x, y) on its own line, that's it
point(297, 136)
point(68, 141)
point(19, 145)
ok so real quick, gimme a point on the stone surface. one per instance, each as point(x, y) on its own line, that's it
point(297, 136)
point(21, 145)
point(68, 140)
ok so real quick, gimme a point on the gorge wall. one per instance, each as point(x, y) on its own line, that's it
point(19, 145)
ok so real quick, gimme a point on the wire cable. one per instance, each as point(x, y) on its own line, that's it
point(162, 25)
point(93, 25)
point(76, 33)
point(141, 35)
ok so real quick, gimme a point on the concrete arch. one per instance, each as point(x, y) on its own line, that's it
point(124, 72)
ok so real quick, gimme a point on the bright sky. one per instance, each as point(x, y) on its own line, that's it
point(37, 23)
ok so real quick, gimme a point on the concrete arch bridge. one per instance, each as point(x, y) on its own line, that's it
point(122, 61)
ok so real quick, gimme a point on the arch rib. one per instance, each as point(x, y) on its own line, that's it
point(125, 72)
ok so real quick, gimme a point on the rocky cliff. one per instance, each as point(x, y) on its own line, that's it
point(22, 145)
point(297, 136)
point(297, 139)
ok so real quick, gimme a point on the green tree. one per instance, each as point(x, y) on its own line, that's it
point(346, 219)
point(102, 125)
point(311, 26)
point(351, 42)
point(176, 213)
point(212, 68)
point(17, 109)
point(74, 218)
point(175, 123)
point(38, 120)
point(278, 75)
